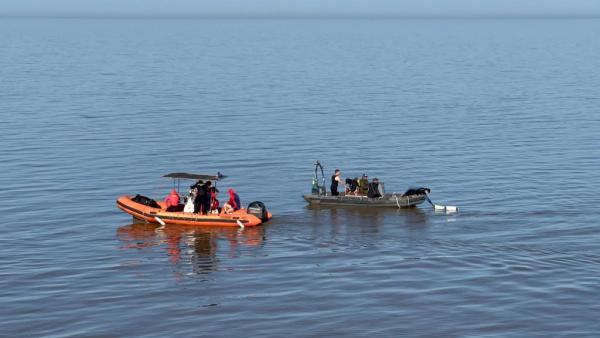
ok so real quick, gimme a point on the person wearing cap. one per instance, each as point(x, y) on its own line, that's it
point(234, 202)
point(363, 184)
point(172, 201)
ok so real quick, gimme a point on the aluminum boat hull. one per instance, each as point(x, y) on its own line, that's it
point(387, 201)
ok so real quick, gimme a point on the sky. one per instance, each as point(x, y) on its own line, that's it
point(342, 8)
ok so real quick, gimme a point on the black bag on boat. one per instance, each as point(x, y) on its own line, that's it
point(145, 201)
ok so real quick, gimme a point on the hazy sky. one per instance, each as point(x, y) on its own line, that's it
point(409, 8)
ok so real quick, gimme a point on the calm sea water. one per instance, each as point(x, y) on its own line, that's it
point(499, 117)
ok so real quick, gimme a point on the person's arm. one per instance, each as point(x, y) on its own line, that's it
point(341, 182)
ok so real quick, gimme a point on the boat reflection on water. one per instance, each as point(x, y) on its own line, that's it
point(369, 219)
point(374, 215)
point(197, 246)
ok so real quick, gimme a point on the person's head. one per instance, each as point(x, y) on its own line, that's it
point(197, 184)
point(337, 172)
point(231, 191)
point(375, 180)
point(208, 184)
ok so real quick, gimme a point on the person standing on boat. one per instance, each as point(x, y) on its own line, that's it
point(205, 201)
point(336, 179)
point(197, 190)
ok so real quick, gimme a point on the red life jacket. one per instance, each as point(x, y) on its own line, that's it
point(215, 202)
point(234, 200)
point(173, 199)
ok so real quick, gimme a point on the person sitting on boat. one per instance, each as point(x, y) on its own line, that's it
point(214, 202)
point(363, 185)
point(373, 190)
point(234, 202)
point(172, 201)
point(336, 179)
point(351, 185)
point(189, 203)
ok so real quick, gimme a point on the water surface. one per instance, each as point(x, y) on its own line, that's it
point(499, 117)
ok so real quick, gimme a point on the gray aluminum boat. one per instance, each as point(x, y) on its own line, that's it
point(319, 196)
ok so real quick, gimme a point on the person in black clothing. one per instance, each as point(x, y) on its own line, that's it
point(373, 191)
point(202, 201)
point(335, 180)
point(205, 202)
point(351, 185)
point(198, 186)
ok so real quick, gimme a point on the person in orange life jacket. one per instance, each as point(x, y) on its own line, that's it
point(234, 202)
point(172, 201)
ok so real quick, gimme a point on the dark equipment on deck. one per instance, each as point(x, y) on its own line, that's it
point(145, 201)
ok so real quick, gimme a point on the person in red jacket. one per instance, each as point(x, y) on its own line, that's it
point(172, 201)
point(234, 202)
point(214, 202)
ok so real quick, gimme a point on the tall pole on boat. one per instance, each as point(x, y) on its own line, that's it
point(317, 166)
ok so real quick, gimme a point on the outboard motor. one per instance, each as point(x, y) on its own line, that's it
point(259, 210)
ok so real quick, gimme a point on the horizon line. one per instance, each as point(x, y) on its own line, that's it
point(295, 16)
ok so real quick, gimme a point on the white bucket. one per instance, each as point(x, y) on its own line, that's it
point(451, 209)
point(448, 209)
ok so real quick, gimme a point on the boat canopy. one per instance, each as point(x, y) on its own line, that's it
point(188, 176)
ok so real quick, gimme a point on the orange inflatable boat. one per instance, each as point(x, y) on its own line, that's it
point(148, 210)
